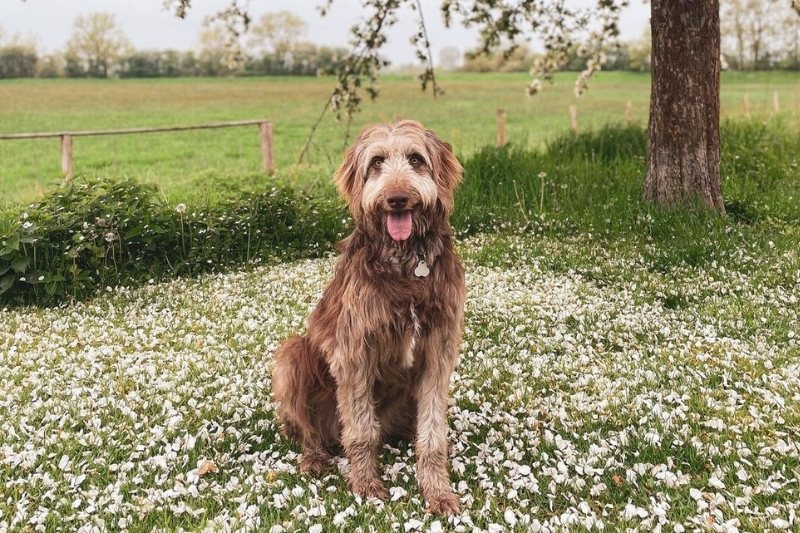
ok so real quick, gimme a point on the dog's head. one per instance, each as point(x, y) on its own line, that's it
point(398, 178)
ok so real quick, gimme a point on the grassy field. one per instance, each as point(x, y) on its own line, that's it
point(598, 387)
point(201, 164)
point(624, 367)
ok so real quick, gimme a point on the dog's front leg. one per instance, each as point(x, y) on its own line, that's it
point(355, 377)
point(431, 444)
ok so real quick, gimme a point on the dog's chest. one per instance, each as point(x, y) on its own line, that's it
point(405, 263)
point(412, 337)
point(402, 338)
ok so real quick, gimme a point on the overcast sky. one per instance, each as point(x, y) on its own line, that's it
point(149, 26)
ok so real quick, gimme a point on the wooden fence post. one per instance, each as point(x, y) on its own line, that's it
point(266, 135)
point(66, 157)
point(501, 127)
point(747, 105)
point(776, 102)
point(628, 113)
point(573, 117)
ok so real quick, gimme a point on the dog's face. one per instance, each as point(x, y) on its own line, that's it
point(397, 178)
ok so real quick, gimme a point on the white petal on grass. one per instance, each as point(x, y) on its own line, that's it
point(412, 525)
point(154, 379)
point(396, 493)
point(780, 523)
point(510, 517)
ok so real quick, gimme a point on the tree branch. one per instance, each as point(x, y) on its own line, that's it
point(419, 40)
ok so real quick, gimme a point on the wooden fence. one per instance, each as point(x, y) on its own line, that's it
point(265, 133)
point(502, 137)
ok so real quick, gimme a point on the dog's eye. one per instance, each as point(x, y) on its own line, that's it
point(376, 162)
point(415, 160)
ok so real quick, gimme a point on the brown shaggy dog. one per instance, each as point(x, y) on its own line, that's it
point(384, 339)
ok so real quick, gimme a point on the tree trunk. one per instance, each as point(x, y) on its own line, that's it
point(683, 151)
point(740, 44)
point(757, 47)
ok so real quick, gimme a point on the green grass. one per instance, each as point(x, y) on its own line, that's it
point(629, 359)
point(589, 187)
point(599, 390)
point(205, 165)
point(586, 187)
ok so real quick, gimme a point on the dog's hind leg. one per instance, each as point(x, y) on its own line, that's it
point(305, 394)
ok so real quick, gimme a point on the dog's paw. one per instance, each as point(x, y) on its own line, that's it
point(369, 488)
point(444, 504)
point(314, 464)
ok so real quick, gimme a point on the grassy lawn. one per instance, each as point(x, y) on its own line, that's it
point(598, 386)
point(624, 368)
point(205, 164)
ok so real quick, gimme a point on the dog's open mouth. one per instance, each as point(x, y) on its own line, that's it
point(399, 223)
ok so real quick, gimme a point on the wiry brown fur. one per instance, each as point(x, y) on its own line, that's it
point(381, 345)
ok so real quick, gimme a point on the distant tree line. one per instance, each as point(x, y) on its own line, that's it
point(634, 56)
point(756, 35)
point(306, 60)
point(99, 49)
point(759, 35)
point(749, 49)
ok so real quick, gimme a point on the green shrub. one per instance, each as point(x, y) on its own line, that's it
point(577, 179)
point(593, 181)
point(96, 234)
point(91, 235)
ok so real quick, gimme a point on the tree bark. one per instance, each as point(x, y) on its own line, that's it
point(684, 148)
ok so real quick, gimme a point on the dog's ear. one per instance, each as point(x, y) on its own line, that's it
point(447, 171)
point(346, 177)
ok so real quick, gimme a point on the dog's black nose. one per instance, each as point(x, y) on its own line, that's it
point(398, 201)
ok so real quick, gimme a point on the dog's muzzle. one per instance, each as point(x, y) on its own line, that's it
point(398, 221)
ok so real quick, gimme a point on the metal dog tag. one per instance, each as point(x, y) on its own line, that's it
point(422, 269)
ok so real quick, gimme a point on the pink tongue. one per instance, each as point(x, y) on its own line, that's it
point(399, 225)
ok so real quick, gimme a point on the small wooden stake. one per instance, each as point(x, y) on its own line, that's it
point(266, 136)
point(628, 112)
point(747, 105)
point(573, 117)
point(501, 127)
point(776, 102)
point(66, 157)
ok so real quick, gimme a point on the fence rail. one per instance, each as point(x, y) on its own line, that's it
point(264, 129)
